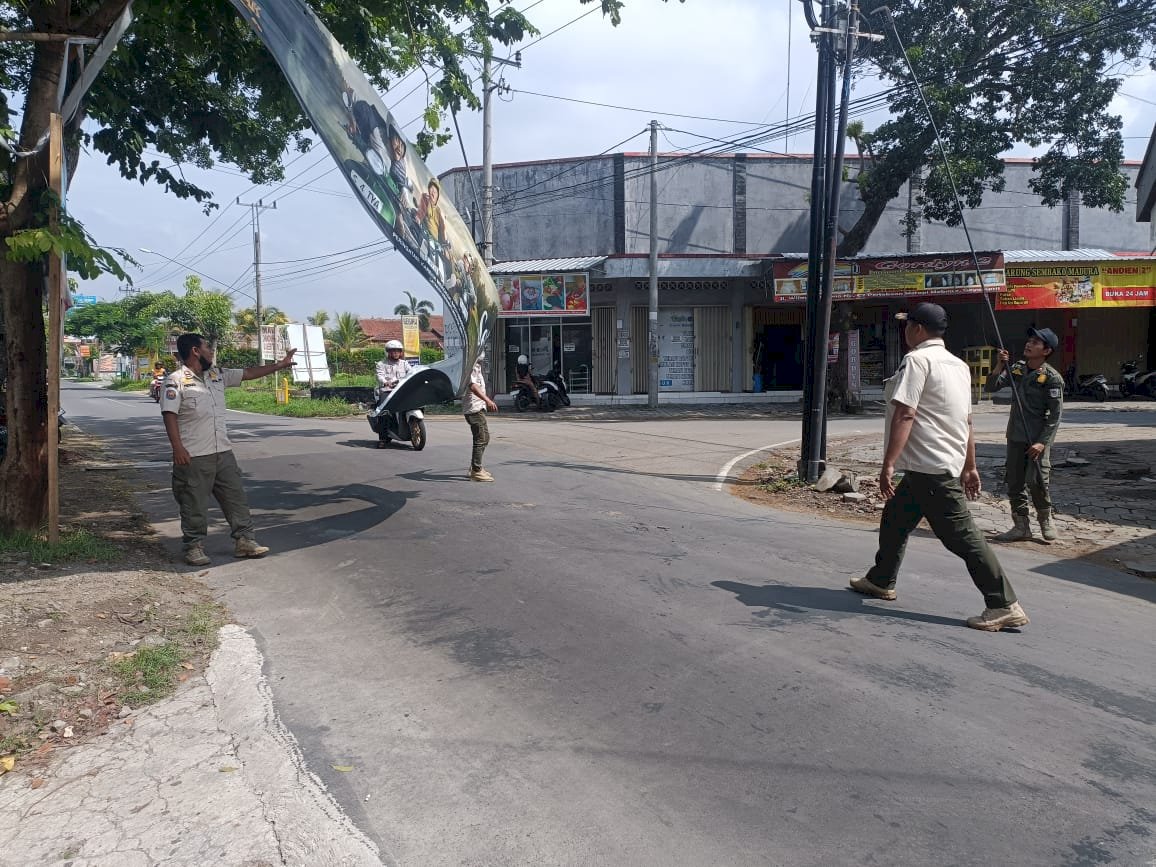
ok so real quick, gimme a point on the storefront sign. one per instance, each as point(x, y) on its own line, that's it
point(1063, 285)
point(676, 349)
point(543, 295)
point(897, 277)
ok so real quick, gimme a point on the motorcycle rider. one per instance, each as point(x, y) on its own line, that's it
point(526, 377)
point(390, 372)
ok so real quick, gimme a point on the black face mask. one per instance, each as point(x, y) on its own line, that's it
point(205, 363)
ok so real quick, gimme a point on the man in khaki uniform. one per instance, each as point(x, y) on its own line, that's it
point(1031, 429)
point(193, 409)
point(929, 439)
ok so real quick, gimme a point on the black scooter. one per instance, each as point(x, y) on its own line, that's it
point(555, 378)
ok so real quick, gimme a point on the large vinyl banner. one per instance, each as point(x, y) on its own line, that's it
point(393, 184)
point(1060, 285)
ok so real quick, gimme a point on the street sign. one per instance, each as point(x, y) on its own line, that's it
point(83, 300)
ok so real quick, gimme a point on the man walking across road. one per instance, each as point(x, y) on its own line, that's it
point(193, 409)
point(474, 406)
point(929, 439)
point(1037, 405)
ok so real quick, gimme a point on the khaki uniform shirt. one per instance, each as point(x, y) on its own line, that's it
point(199, 405)
point(1041, 396)
point(937, 385)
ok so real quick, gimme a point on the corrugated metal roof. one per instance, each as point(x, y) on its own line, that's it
point(713, 267)
point(1085, 255)
point(537, 266)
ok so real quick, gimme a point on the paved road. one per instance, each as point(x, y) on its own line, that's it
point(600, 659)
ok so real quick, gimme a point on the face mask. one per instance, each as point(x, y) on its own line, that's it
point(205, 364)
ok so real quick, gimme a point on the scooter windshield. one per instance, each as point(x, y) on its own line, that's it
point(423, 387)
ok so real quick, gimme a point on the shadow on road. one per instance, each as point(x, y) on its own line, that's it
point(605, 468)
point(791, 600)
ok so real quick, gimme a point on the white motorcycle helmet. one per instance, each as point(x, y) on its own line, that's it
point(523, 359)
point(394, 344)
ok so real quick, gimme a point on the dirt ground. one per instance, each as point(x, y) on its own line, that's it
point(85, 639)
point(1103, 489)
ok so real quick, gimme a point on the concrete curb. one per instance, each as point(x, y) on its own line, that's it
point(208, 776)
point(309, 825)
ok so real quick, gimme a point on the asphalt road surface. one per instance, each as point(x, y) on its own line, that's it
point(603, 659)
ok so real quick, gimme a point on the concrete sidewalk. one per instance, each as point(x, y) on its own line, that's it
point(209, 776)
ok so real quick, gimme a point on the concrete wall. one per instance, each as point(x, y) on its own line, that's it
point(600, 205)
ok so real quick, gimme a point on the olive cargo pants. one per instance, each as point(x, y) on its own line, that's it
point(941, 500)
point(481, 431)
point(220, 476)
point(1022, 475)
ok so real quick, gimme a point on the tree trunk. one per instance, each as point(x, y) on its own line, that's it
point(23, 473)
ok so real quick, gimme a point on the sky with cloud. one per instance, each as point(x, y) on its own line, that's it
point(749, 62)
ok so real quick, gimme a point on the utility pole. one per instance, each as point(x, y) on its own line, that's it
point(652, 309)
point(826, 187)
point(255, 210)
point(488, 88)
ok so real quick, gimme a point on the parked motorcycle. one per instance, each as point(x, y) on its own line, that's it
point(1093, 385)
point(555, 377)
point(1132, 381)
point(549, 398)
point(408, 426)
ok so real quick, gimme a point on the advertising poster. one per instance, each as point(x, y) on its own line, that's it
point(897, 277)
point(391, 182)
point(411, 336)
point(543, 295)
point(1063, 285)
point(676, 349)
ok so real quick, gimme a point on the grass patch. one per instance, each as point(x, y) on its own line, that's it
point(265, 402)
point(351, 380)
point(201, 625)
point(130, 384)
point(148, 674)
point(73, 545)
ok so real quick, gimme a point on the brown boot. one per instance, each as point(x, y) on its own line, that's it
point(1020, 532)
point(1047, 528)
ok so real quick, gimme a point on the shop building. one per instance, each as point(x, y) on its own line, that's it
point(730, 228)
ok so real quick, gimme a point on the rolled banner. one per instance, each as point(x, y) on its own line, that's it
point(395, 186)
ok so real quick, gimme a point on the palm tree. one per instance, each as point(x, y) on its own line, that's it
point(346, 332)
point(247, 319)
point(420, 309)
point(319, 318)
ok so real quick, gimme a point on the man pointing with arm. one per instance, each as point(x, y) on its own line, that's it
point(193, 409)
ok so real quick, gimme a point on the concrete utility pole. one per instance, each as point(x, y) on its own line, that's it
point(256, 208)
point(652, 310)
point(488, 88)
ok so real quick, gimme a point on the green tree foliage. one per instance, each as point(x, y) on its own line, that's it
point(198, 310)
point(346, 332)
point(319, 319)
point(126, 326)
point(420, 309)
point(999, 73)
point(246, 320)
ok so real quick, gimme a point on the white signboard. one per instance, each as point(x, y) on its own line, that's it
point(676, 349)
point(310, 363)
point(273, 346)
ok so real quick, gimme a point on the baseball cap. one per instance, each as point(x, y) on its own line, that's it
point(1046, 335)
point(926, 314)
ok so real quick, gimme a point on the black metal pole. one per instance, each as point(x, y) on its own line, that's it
point(834, 191)
point(809, 460)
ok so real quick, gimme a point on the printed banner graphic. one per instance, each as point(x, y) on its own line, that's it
point(394, 185)
point(1051, 285)
point(899, 277)
point(543, 295)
